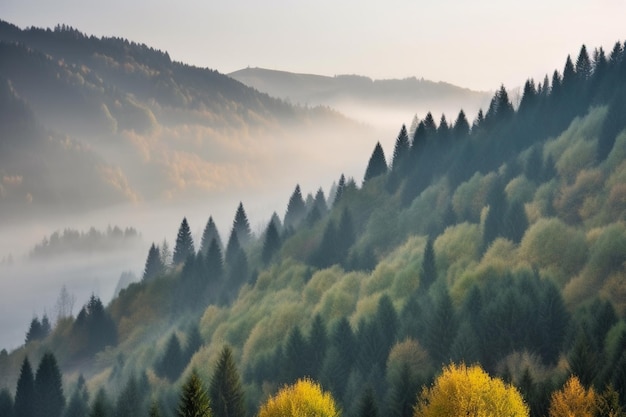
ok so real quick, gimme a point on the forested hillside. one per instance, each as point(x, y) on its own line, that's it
point(120, 122)
point(484, 258)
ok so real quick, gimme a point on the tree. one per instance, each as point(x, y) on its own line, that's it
point(184, 244)
point(242, 227)
point(271, 243)
point(34, 331)
point(172, 362)
point(226, 392)
point(469, 391)
point(49, 399)
point(214, 261)
point(154, 409)
point(429, 269)
point(65, 304)
point(296, 210)
point(6, 403)
point(573, 400)
point(583, 65)
point(194, 401)
point(341, 185)
point(367, 405)
point(166, 254)
point(461, 126)
point(210, 233)
point(25, 392)
point(154, 265)
point(377, 164)
point(304, 398)
point(100, 406)
point(94, 328)
point(78, 404)
point(401, 149)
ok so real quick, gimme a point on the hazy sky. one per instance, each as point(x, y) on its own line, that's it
point(477, 44)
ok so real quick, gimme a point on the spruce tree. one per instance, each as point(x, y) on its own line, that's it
point(340, 190)
point(35, 332)
point(172, 362)
point(100, 406)
point(194, 401)
point(6, 403)
point(242, 227)
point(25, 392)
point(317, 344)
point(78, 405)
point(430, 125)
point(226, 392)
point(214, 261)
point(429, 268)
point(184, 244)
point(210, 233)
point(49, 399)
point(583, 65)
point(296, 210)
point(443, 131)
point(367, 405)
point(401, 149)
point(461, 126)
point(165, 254)
point(194, 343)
point(404, 390)
point(377, 164)
point(271, 243)
point(319, 203)
point(154, 266)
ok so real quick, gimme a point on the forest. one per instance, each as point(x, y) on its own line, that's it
point(479, 270)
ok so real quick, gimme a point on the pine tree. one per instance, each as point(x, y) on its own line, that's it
point(6, 403)
point(429, 268)
point(194, 343)
point(294, 351)
point(367, 405)
point(226, 392)
point(443, 130)
point(441, 328)
point(461, 126)
point(78, 405)
point(403, 393)
point(154, 409)
point(317, 344)
point(529, 97)
point(100, 406)
point(210, 233)
point(271, 244)
point(214, 261)
point(34, 331)
point(569, 76)
point(401, 149)
point(319, 204)
point(583, 65)
point(166, 255)
point(296, 210)
point(154, 266)
point(340, 189)
point(377, 164)
point(242, 227)
point(172, 362)
point(430, 125)
point(49, 399)
point(184, 244)
point(194, 401)
point(25, 392)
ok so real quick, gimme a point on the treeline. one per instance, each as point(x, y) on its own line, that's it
point(93, 240)
point(499, 243)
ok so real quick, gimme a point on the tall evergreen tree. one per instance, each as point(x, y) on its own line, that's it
point(296, 210)
point(461, 126)
point(429, 268)
point(341, 185)
point(441, 329)
point(377, 164)
point(6, 403)
point(583, 65)
point(194, 401)
point(194, 343)
point(35, 332)
point(78, 405)
point(100, 406)
point(430, 125)
point(165, 254)
point(294, 351)
point(569, 76)
point(210, 233)
point(319, 203)
point(401, 149)
point(242, 227)
point(154, 266)
point(214, 261)
point(25, 392)
point(317, 344)
point(529, 97)
point(443, 131)
point(271, 243)
point(184, 244)
point(49, 399)
point(403, 393)
point(226, 392)
point(172, 362)
point(367, 405)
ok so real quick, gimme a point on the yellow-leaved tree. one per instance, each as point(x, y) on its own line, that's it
point(469, 391)
point(305, 398)
point(573, 400)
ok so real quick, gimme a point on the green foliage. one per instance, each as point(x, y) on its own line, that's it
point(6, 403)
point(225, 392)
point(210, 234)
point(296, 210)
point(154, 265)
point(194, 401)
point(377, 164)
point(25, 396)
point(184, 244)
point(173, 361)
point(49, 399)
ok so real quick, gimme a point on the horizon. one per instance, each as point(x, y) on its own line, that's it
point(513, 42)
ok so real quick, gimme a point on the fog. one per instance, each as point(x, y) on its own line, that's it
point(313, 159)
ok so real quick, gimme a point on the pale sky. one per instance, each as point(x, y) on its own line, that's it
point(477, 44)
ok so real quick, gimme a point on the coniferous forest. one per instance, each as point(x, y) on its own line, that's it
point(479, 269)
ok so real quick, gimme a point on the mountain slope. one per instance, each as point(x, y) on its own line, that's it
point(360, 97)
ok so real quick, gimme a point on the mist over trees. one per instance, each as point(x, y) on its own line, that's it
point(486, 259)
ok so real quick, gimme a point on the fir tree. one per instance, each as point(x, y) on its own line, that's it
point(210, 233)
point(367, 405)
point(296, 210)
point(214, 261)
point(401, 149)
point(583, 65)
point(443, 131)
point(49, 399)
point(172, 362)
point(194, 343)
point(154, 266)
point(194, 401)
point(242, 227)
point(78, 405)
point(25, 392)
point(319, 203)
point(35, 332)
point(377, 164)
point(529, 97)
point(226, 392)
point(429, 269)
point(184, 244)
point(271, 244)
point(341, 185)
point(461, 126)
point(6, 403)
point(569, 76)
point(317, 344)
point(429, 125)
point(100, 406)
